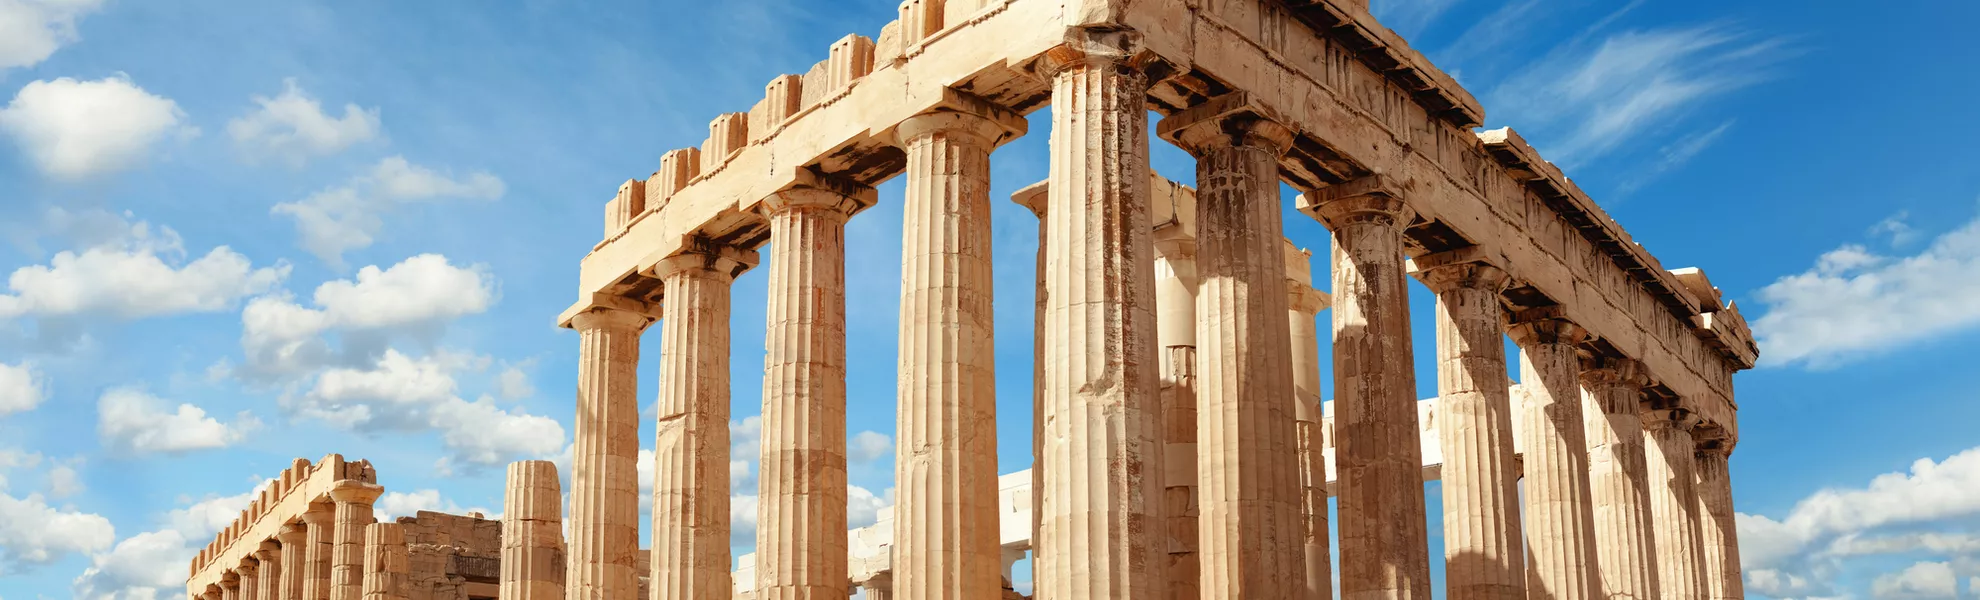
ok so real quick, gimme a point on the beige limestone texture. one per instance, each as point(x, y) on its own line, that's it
point(250, 573)
point(691, 440)
point(1717, 527)
point(1250, 544)
point(1034, 198)
point(353, 500)
point(1483, 549)
point(230, 585)
point(387, 567)
point(294, 559)
point(1175, 308)
point(1674, 503)
point(1560, 528)
point(1303, 309)
point(801, 527)
point(1612, 394)
point(1102, 499)
point(1384, 547)
point(268, 578)
point(605, 457)
point(946, 530)
point(532, 551)
point(320, 521)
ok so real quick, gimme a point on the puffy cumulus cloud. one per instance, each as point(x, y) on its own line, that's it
point(132, 421)
point(76, 129)
point(152, 565)
point(64, 481)
point(31, 30)
point(1921, 581)
point(1925, 510)
point(868, 446)
point(862, 507)
point(293, 127)
point(348, 217)
point(1855, 302)
point(14, 458)
point(403, 393)
point(420, 295)
point(393, 505)
point(34, 534)
point(21, 388)
point(514, 382)
point(132, 271)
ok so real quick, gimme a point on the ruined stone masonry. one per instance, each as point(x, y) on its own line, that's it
point(1181, 447)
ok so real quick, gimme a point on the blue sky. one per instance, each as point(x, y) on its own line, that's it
point(236, 233)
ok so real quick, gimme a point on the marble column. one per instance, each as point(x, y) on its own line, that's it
point(1034, 198)
point(532, 534)
point(319, 522)
point(1716, 526)
point(387, 567)
point(1102, 534)
point(1378, 454)
point(1674, 503)
point(604, 542)
point(294, 559)
point(1249, 541)
point(801, 527)
point(353, 500)
point(1303, 304)
point(1612, 396)
point(1483, 551)
point(880, 587)
point(250, 573)
point(268, 580)
point(1560, 519)
point(691, 430)
point(1175, 334)
point(946, 533)
point(230, 586)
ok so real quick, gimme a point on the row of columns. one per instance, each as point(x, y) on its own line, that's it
point(1110, 407)
point(318, 557)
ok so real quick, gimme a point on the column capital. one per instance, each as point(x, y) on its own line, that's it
point(230, 578)
point(1230, 120)
point(1375, 199)
point(1034, 197)
point(248, 567)
point(320, 514)
point(1602, 372)
point(1463, 268)
point(1713, 440)
point(1305, 299)
point(702, 254)
point(1546, 325)
point(814, 192)
point(351, 491)
point(961, 113)
point(1097, 47)
point(611, 303)
point(1669, 418)
point(292, 533)
point(268, 551)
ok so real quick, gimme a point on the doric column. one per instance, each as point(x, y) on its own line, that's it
point(353, 500)
point(1175, 334)
point(319, 522)
point(1560, 520)
point(268, 580)
point(1034, 198)
point(1378, 456)
point(605, 456)
point(1716, 526)
point(230, 585)
point(250, 573)
point(691, 431)
point(1674, 503)
point(532, 534)
point(801, 528)
point(1612, 392)
point(1102, 502)
point(294, 559)
point(945, 517)
point(880, 587)
point(1247, 469)
point(1483, 552)
point(387, 567)
point(212, 592)
point(1303, 306)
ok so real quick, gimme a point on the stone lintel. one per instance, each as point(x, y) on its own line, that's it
point(1712, 438)
point(603, 301)
point(955, 109)
point(1234, 119)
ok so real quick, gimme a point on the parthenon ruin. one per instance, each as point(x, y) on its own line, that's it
point(1180, 444)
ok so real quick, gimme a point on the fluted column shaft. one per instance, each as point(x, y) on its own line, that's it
point(1611, 400)
point(1674, 504)
point(1034, 198)
point(605, 457)
point(230, 586)
point(320, 524)
point(1560, 528)
point(1175, 309)
point(268, 580)
point(945, 519)
point(1378, 453)
point(353, 500)
point(1101, 534)
point(532, 534)
point(294, 559)
point(691, 427)
point(1483, 551)
point(388, 567)
point(250, 588)
point(1304, 306)
point(801, 529)
point(1717, 528)
point(1250, 540)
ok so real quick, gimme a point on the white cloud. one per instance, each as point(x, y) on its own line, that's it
point(868, 446)
point(12, 458)
point(1586, 101)
point(130, 420)
point(1674, 155)
point(1409, 17)
point(742, 519)
point(1855, 303)
point(293, 127)
point(393, 505)
point(132, 271)
point(152, 565)
point(21, 388)
point(32, 533)
point(513, 383)
point(64, 481)
point(1922, 581)
point(76, 129)
point(862, 507)
point(31, 30)
point(1897, 228)
point(420, 295)
point(349, 217)
point(402, 393)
